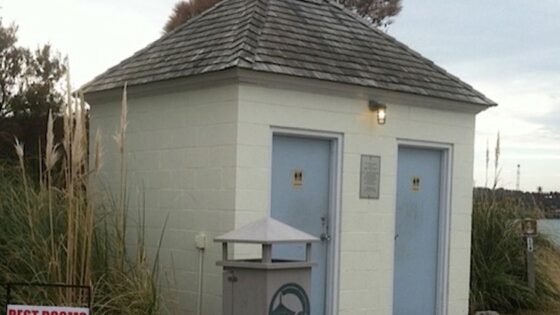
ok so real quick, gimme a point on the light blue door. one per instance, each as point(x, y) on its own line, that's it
point(417, 231)
point(300, 198)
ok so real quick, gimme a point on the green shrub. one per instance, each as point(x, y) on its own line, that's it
point(58, 229)
point(498, 268)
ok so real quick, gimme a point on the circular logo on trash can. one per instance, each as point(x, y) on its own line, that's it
point(290, 299)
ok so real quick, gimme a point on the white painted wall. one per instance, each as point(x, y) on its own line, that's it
point(367, 226)
point(181, 150)
point(203, 156)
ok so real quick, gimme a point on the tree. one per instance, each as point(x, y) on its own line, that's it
point(186, 10)
point(378, 12)
point(28, 80)
point(30, 87)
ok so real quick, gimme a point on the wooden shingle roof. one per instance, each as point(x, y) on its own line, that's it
point(315, 39)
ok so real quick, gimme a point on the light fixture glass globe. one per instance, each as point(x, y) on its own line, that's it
point(381, 115)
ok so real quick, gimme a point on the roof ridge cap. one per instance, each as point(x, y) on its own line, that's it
point(85, 86)
point(245, 35)
point(260, 29)
point(406, 48)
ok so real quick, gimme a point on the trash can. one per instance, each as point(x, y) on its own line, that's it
point(266, 286)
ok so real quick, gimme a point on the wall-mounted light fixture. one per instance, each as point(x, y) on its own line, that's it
point(381, 110)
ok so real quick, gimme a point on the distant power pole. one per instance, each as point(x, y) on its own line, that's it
point(518, 177)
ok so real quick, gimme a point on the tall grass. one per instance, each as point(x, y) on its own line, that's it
point(498, 265)
point(498, 258)
point(60, 230)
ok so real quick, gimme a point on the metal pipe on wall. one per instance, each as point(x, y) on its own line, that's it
point(201, 246)
point(200, 281)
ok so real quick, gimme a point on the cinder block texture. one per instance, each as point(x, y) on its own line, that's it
point(199, 159)
point(181, 163)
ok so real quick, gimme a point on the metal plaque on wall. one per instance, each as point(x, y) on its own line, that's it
point(370, 170)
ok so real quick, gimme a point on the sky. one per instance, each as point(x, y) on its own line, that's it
point(507, 49)
point(510, 51)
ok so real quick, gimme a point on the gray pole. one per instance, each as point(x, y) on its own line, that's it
point(518, 180)
point(530, 264)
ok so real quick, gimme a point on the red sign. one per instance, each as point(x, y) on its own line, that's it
point(45, 310)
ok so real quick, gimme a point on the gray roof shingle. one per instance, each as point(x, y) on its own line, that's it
point(316, 39)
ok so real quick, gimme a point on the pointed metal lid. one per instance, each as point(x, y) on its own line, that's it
point(266, 231)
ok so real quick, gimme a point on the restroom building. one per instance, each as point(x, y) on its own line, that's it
point(302, 111)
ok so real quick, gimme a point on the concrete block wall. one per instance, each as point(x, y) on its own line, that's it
point(367, 226)
point(181, 160)
point(203, 157)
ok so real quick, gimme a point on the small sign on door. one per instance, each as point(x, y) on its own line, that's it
point(297, 178)
point(415, 183)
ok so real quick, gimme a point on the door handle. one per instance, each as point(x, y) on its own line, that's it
point(325, 236)
point(232, 277)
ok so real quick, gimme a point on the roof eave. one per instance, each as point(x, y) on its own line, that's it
point(359, 91)
point(262, 78)
point(222, 77)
